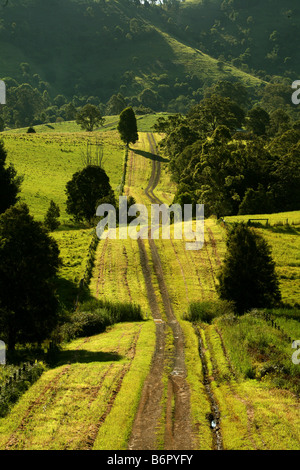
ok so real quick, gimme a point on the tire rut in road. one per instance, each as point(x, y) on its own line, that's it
point(179, 434)
point(145, 428)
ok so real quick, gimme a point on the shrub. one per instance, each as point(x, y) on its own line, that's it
point(207, 311)
point(94, 316)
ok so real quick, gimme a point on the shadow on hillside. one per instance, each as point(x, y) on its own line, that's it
point(84, 357)
point(66, 291)
point(151, 156)
point(284, 229)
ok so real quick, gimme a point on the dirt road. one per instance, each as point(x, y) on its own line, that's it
point(163, 417)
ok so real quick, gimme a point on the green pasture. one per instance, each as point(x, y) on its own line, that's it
point(47, 161)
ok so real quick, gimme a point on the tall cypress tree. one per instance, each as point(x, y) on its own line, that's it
point(127, 126)
point(248, 276)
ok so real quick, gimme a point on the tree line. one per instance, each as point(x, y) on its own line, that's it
point(233, 160)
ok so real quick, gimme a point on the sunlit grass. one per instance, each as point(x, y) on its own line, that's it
point(69, 400)
point(48, 161)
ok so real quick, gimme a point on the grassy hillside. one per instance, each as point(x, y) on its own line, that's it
point(241, 366)
point(102, 48)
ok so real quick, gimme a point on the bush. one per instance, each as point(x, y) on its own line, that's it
point(94, 316)
point(207, 311)
point(85, 324)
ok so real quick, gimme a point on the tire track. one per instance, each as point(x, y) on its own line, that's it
point(179, 434)
point(125, 271)
point(89, 442)
point(145, 427)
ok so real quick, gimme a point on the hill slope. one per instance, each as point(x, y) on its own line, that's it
point(100, 48)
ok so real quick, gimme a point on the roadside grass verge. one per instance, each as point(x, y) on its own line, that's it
point(256, 412)
point(95, 316)
point(258, 350)
point(74, 253)
point(200, 406)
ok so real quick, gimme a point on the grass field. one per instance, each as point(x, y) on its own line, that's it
point(68, 406)
point(48, 162)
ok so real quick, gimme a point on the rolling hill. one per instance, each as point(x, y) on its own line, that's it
point(175, 49)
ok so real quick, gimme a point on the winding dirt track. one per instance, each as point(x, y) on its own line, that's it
point(173, 413)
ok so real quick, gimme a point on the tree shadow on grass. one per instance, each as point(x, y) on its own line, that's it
point(67, 292)
point(284, 229)
point(83, 356)
point(151, 156)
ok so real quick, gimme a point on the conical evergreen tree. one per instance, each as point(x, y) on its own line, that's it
point(248, 276)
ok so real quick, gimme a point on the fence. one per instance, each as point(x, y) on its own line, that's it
point(20, 374)
point(273, 323)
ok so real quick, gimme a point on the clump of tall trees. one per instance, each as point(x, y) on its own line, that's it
point(233, 160)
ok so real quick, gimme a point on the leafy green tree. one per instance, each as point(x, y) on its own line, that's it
point(257, 120)
point(216, 111)
point(26, 103)
point(149, 98)
point(127, 126)
point(89, 117)
point(29, 262)
point(69, 111)
point(280, 122)
point(10, 182)
point(248, 276)
point(234, 91)
point(86, 190)
point(51, 221)
point(115, 105)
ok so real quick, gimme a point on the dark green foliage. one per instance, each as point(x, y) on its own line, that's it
point(86, 190)
point(208, 311)
point(233, 172)
point(10, 183)
point(11, 393)
point(258, 121)
point(248, 276)
point(115, 105)
point(127, 126)
point(51, 221)
point(93, 317)
point(29, 262)
point(216, 111)
point(114, 54)
point(89, 117)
